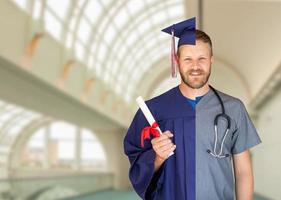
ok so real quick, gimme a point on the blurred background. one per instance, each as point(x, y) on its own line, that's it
point(70, 71)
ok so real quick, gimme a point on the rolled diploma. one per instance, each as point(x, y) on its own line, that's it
point(147, 114)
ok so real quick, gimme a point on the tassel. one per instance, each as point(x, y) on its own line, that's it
point(174, 62)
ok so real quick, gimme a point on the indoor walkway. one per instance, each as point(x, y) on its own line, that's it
point(122, 195)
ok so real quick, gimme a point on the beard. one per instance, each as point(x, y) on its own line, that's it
point(195, 82)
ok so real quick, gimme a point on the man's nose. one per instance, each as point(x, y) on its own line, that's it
point(195, 65)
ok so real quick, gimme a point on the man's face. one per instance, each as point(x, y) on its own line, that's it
point(195, 64)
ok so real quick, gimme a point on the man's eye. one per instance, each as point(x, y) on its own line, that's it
point(187, 59)
point(202, 58)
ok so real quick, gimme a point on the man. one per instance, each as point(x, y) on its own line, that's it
point(204, 154)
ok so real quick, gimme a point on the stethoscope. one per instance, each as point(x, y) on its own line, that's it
point(221, 115)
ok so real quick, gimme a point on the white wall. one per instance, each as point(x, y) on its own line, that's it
point(266, 157)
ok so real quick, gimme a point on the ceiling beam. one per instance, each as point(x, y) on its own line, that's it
point(20, 87)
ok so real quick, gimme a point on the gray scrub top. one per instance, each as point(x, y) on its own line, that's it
point(214, 176)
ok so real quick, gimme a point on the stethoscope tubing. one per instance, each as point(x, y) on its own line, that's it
point(221, 115)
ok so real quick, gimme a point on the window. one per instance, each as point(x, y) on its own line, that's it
point(55, 146)
point(92, 153)
point(62, 144)
point(34, 152)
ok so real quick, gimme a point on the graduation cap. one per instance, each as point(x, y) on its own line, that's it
point(185, 31)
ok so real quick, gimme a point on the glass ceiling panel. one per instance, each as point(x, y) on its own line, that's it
point(121, 18)
point(145, 65)
point(53, 25)
point(13, 119)
point(37, 9)
point(21, 3)
point(135, 6)
point(139, 53)
point(150, 40)
point(110, 34)
point(124, 33)
point(84, 31)
point(8, 113)
point(134, 77)
point(93, 10)
point(79, 51)
point(80, 3)
point(59, 7)
point(106, 3)
point(21, 122)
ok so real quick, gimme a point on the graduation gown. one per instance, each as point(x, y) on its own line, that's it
point(176, 178)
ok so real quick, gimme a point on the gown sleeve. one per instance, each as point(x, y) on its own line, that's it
point(141, 173)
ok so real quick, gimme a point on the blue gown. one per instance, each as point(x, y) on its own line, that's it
point(176, 178)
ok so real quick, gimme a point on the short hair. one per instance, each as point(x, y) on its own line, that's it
point(201, 36)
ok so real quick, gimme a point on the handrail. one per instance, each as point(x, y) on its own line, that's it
point(70, 175)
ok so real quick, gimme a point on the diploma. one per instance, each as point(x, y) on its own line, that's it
point(148, 115)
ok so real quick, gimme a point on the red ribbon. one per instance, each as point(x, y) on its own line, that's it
point(149, 130)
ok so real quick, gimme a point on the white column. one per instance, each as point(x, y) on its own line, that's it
point(78, 149)
point(47, 142)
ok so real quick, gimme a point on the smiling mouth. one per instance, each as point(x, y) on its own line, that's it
point(195, 74)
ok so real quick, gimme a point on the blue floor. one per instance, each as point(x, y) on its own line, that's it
point(122, 195)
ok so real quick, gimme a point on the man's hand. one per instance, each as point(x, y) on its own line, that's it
point(163, 147)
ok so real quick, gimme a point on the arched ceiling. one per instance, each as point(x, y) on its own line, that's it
point(117, 40)
point(120, 41)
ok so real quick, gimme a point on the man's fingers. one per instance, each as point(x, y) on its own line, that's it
point(168, 151)
point(165, 135)
point(161, 143)
point(168, 133)
point(164, 148)
point(159, 139)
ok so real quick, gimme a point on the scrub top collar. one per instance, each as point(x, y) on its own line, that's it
point(198, 101)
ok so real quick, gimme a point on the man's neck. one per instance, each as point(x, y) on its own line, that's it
point(193, 93)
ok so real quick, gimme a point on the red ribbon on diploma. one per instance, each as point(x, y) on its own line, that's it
point(149, 130)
